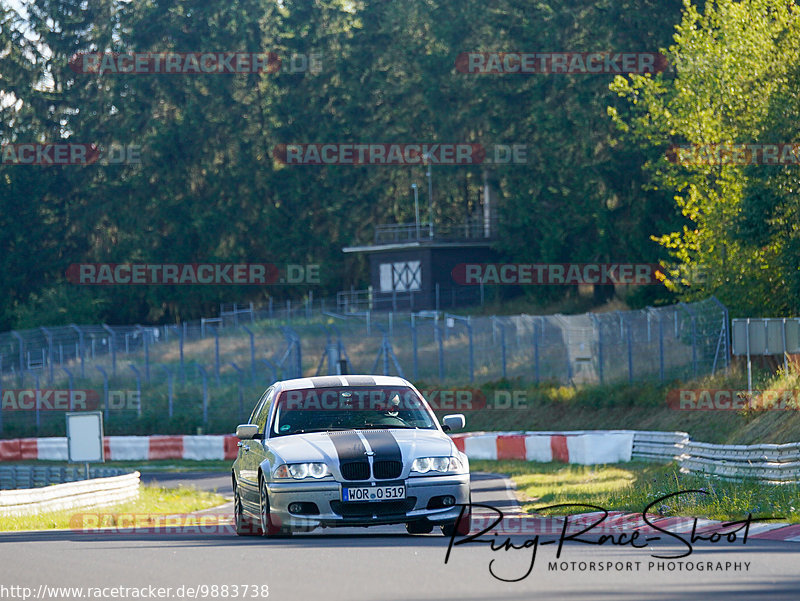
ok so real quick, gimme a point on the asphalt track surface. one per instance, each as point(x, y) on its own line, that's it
point(383, 563)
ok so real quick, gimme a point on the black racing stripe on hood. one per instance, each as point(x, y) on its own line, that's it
point(348, 446)
point(383, 444)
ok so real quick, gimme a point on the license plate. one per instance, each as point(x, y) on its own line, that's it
point(373, 493)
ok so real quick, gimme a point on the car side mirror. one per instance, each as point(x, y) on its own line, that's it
point(246, 431)
point(455, 421)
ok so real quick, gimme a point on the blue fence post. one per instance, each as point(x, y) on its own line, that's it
point(216, 353)
point(170, 389)
point(36, 403)
point(138, 387)
point(105, 392)
point(240, 373)
point(440, 343)
point(82, 349)
point(414, 364)
point(70, 386)
point(252, 353)
point(17, 335)
point(182, 338)
point(503, 347)
point(471, 352)
point(630, 355)
point(203, 373)
point(146, 355)
point(49, 337)
point(661, 347)
point(112, 348)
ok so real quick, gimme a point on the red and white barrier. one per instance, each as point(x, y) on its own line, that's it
point(125, 448)
point(584, 447)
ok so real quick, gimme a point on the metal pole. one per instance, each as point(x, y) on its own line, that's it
point(83, 352)
point(71, 386)
point(21, 356)
point(216, 353)
point(205, 393)
point(105, 391)
point(471, 352)
point(36, 402)
point(252, 353)
point(240, 372)
point(113, 348)
point(416, 208)
point(414, 346)
point(749, 363)
point(49, 351)
point(441, 351)
point(430, 203)
point(630, 355)
point(138, 388)
point(170, 389)
point(661, 346)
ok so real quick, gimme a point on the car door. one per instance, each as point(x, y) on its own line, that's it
point(251, 452)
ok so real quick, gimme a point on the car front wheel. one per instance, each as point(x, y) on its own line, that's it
point(245, 525)
point(269, 527)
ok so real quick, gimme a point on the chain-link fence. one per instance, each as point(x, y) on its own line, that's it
point(207, 374)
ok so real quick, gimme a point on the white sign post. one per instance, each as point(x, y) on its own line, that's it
point(85, 438)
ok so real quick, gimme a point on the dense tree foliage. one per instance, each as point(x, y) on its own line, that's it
point(209, 187)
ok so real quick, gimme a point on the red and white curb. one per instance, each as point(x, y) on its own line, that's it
point(586, 448)
point(126, 448)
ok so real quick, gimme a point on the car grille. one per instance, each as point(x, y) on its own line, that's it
point(355, 470)
point(379, 508)
point(387, 469)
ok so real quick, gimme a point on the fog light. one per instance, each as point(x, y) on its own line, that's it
point(295, 508)
point(447, 501)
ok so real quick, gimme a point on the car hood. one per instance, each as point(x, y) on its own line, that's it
point(334, 447)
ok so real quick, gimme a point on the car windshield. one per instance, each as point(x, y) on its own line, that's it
point(350, 408)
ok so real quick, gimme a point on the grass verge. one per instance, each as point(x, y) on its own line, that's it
point(633, 486)
point(152, 499)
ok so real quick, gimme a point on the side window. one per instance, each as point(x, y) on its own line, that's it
point(263, 411)
point(259, 404)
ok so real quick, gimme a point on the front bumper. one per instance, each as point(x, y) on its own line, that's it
point(327, 496)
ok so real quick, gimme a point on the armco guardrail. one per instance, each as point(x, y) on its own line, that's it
point(87, 493)
point(28, 476)
point(659, 446)
point(765, 462)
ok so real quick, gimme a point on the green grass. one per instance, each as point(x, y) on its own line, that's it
point(152, 500)
point(633, 486)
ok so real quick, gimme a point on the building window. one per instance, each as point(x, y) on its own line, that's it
point(401, 277)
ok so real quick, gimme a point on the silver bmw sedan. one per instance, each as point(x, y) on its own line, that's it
point(348, 451)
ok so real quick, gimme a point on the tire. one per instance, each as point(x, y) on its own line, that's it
point(268, 525)
point(460, 527)
point(419, 527)
point(245, 525)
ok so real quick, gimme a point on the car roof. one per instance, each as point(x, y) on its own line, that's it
point(338, 381)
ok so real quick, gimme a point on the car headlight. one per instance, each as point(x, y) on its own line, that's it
point(444, 465)
point(300, 471)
